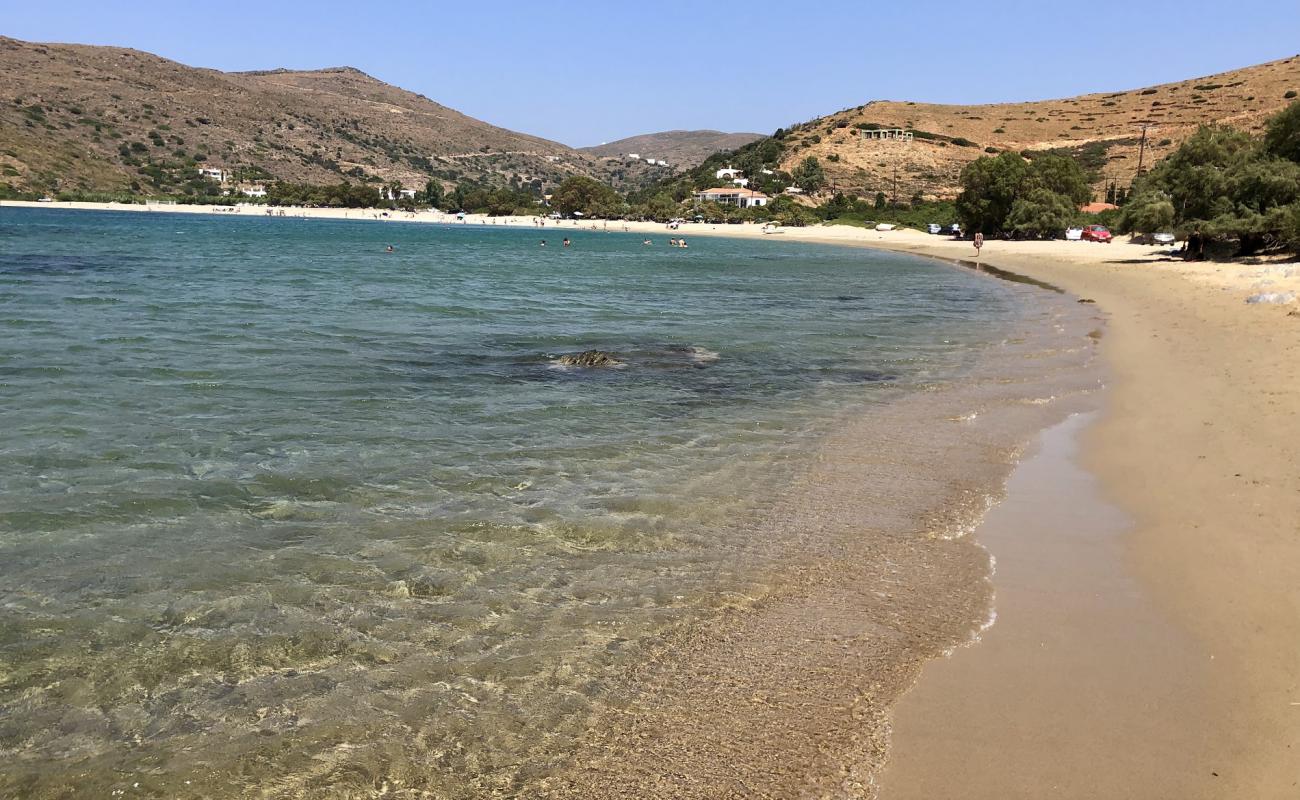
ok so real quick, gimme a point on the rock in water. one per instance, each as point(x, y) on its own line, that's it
point(589, 358)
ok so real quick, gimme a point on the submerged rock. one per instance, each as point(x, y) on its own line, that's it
point(589, 358)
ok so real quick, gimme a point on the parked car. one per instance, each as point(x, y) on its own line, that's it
point(953, 230)
point(1097, 233)
point(934, 227)
point(1163, 238)
point(1073, 234)
point(553, 215)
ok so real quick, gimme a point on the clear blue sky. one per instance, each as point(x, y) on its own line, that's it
point(586, 72)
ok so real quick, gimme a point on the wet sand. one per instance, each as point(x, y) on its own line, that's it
point(1199, 446)
point(1083, 688)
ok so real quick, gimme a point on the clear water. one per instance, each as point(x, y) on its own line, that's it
point(282, 512)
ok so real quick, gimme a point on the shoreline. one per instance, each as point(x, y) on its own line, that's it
point(1197, 446)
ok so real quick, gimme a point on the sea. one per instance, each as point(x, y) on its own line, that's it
point(286, 514)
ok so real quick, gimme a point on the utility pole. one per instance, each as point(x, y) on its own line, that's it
point(895, 200)
point(1142, 148)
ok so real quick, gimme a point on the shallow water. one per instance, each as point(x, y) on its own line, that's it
point(284, 514)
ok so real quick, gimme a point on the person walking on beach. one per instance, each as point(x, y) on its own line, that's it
point(979, 242)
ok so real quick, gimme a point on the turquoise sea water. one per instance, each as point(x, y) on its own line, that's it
point(267, 490)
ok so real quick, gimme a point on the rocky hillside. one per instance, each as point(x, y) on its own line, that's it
point(1103, 130)
point(681, 149)
point(111, 119)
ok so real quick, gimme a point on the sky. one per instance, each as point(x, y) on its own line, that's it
point(583, 73)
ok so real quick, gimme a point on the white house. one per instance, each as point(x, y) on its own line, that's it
point(254, 191)
point(661, 162)
point(386, 193)
point(732, 196)
point(729, 173)
point(634, 156)
point(218, 175)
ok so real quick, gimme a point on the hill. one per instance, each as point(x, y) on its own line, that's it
point(112, 119)
point(681, 149)
point(1103, 130)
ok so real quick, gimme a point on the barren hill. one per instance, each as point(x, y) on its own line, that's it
point(104, 118)
point(1104, 130)
point(681, 149)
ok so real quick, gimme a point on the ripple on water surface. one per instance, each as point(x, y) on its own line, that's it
point(285, 515)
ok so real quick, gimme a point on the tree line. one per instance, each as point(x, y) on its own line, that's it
point(1240, 191)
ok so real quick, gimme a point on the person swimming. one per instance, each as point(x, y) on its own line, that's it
point(389, 249)
point(566, 241)
point(543, 244)
point(647, 241)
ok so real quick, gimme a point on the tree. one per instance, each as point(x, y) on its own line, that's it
point(433, 194)
point(1231, 186)
point(990, 186)
point(1060, 175)
point(1147, 213)
point(809, 175)
point(1040, 213)
point(579, 193)
point(1282, 137)
point(880, 201)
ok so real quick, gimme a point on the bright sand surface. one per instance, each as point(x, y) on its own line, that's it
point(1199, 447)
point(1175, 552)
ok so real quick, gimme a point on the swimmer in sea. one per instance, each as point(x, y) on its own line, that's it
point(647, 241)
point(566, 241)
point(543, 244)
point(388, 249)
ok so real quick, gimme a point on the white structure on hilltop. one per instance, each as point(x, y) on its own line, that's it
point(218, 175)
point(732, 196)
point(634, 156)
point(887, 133)
point(253, 191)
point(736, 176)
point(660, 162)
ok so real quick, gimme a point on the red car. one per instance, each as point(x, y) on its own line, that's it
point(1096, 233)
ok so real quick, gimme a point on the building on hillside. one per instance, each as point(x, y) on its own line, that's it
point(634, 156)
point(792, 190)
point(732, 196)
point(253, 191)
point(887, 133)
point(218, 175)
point(728, 173)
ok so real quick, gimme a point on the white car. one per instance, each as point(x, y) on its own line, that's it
point(1073, 234)
point(934, 227)
point(1163, 238)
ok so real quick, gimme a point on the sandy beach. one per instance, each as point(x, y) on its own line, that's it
point(1149, 647)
